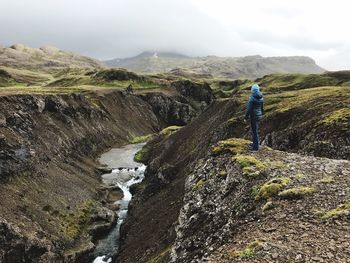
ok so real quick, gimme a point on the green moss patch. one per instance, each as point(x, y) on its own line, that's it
point(142, 155)
point(140, 139)
point(268, 206)
point(222, 174)
point(338, 116)
point(233, 145)
point(272, 188)
point(342, 210)
point(74, 223)
point(249, 251)
point(170, 130)
point(277, 165)
point(199, 184)
point(249, 164)
point(326, 179)
point(296, 193)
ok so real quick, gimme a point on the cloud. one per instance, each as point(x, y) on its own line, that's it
point(118, 28)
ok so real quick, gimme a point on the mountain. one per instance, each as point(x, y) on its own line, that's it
point(45, 58)
point(219, 67)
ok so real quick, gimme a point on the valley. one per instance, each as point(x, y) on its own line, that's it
point(204, 197)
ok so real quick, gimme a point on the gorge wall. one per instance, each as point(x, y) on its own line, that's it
point(48, 179)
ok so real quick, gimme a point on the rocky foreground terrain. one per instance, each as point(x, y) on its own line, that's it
point(250, 67)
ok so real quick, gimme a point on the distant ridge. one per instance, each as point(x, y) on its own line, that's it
point(44, 58)
point(219, 67)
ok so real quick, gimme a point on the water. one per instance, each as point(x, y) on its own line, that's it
point(126, 172)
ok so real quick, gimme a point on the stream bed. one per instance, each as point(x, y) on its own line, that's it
point(126, 172)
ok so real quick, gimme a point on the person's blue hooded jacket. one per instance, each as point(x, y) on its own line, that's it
point(255, 106)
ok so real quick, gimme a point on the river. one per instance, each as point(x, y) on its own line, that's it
point(126, 172)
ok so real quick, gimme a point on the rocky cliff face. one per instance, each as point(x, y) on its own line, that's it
point(48, 177)
point(51, 208)
point(240, 207)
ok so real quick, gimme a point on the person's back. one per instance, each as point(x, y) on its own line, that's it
point(254, 112)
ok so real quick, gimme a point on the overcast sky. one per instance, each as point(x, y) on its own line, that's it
point(107, 29)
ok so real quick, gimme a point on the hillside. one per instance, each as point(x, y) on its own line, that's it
point(45, 58)
point(206, 198)
point(218, 67)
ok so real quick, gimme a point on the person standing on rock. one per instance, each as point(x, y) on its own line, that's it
point(254, 112)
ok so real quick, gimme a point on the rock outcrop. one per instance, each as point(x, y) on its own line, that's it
point(169, 110)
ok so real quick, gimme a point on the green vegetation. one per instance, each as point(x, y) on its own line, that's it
point(140, 139)
point(296, 193)
point(142, 155)
point(6, 79)
point(74, 223)
point(277, 165)
point(198, 185)
point(338, 116)
point(232, 121)
point(233, 146)
point(341, 211)
point(299, 176)
point(283, 82)
point(268, 206)
point(272, 187)
point(249, 251)
point(170, 130)
point(249, 164)
point(326, 179)
point(222, 174)
point(36, 90)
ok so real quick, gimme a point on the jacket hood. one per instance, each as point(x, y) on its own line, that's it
point(256, 91)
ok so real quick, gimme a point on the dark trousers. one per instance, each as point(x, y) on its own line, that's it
point(254, 122)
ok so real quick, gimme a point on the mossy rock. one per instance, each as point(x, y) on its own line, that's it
point(142, 155)
point(233, 146)
point(272, 188)
point(296, 193)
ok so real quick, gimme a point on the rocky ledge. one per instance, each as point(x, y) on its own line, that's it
point(264, 206)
